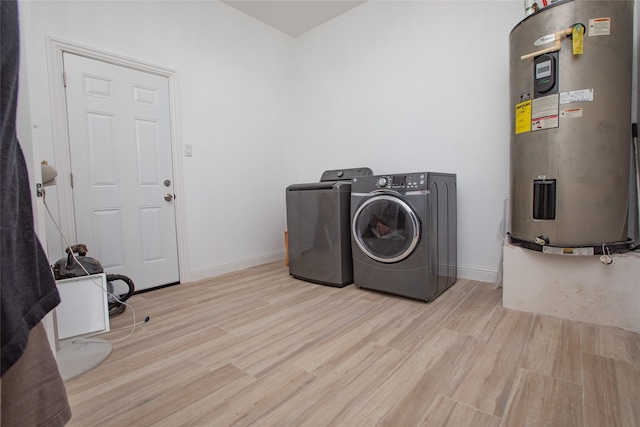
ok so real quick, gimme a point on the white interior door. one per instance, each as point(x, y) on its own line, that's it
point(120, 152)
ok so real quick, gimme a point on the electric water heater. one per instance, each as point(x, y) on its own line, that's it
point(570, 102)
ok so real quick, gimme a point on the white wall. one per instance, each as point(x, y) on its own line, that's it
point(230, 77)
point(406, 86)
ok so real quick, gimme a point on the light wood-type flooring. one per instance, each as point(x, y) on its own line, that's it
point(258, 347)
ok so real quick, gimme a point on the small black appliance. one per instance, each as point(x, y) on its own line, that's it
point(80, 265)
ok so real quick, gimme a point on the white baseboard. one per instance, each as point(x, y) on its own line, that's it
point(229, 267)
point(481, 274)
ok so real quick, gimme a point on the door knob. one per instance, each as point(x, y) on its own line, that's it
point(168, 197)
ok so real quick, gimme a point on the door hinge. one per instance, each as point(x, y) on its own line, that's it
point(71, 176)
point(64, 79)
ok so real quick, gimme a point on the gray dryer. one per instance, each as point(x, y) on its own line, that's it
point(404, 230)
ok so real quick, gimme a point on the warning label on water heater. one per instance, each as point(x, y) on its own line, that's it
point(583, 95)
point(599, 27)
point(544, 112)
point(571, 113)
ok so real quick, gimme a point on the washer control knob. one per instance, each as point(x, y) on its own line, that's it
point(382, 181)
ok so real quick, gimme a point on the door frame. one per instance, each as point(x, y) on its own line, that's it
point(55, 48)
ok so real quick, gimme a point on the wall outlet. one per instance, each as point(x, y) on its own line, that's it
point(188, 152)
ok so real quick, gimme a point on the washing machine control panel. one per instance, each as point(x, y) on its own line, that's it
point(414, 181)
point(344, 174)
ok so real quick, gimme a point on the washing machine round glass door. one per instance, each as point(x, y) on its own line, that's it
point(385, 228)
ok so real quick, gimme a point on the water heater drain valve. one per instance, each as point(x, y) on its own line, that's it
point(542, 240)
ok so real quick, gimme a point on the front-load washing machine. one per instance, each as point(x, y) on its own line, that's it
point(404, 233)
point(319, 236)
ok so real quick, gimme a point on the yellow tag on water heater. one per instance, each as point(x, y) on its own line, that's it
point(523, 117)
point(577, 35)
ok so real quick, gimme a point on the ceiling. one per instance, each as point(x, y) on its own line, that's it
point(294, 17)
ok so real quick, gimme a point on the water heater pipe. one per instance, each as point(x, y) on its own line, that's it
point(556, 46)
point(636, 158)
